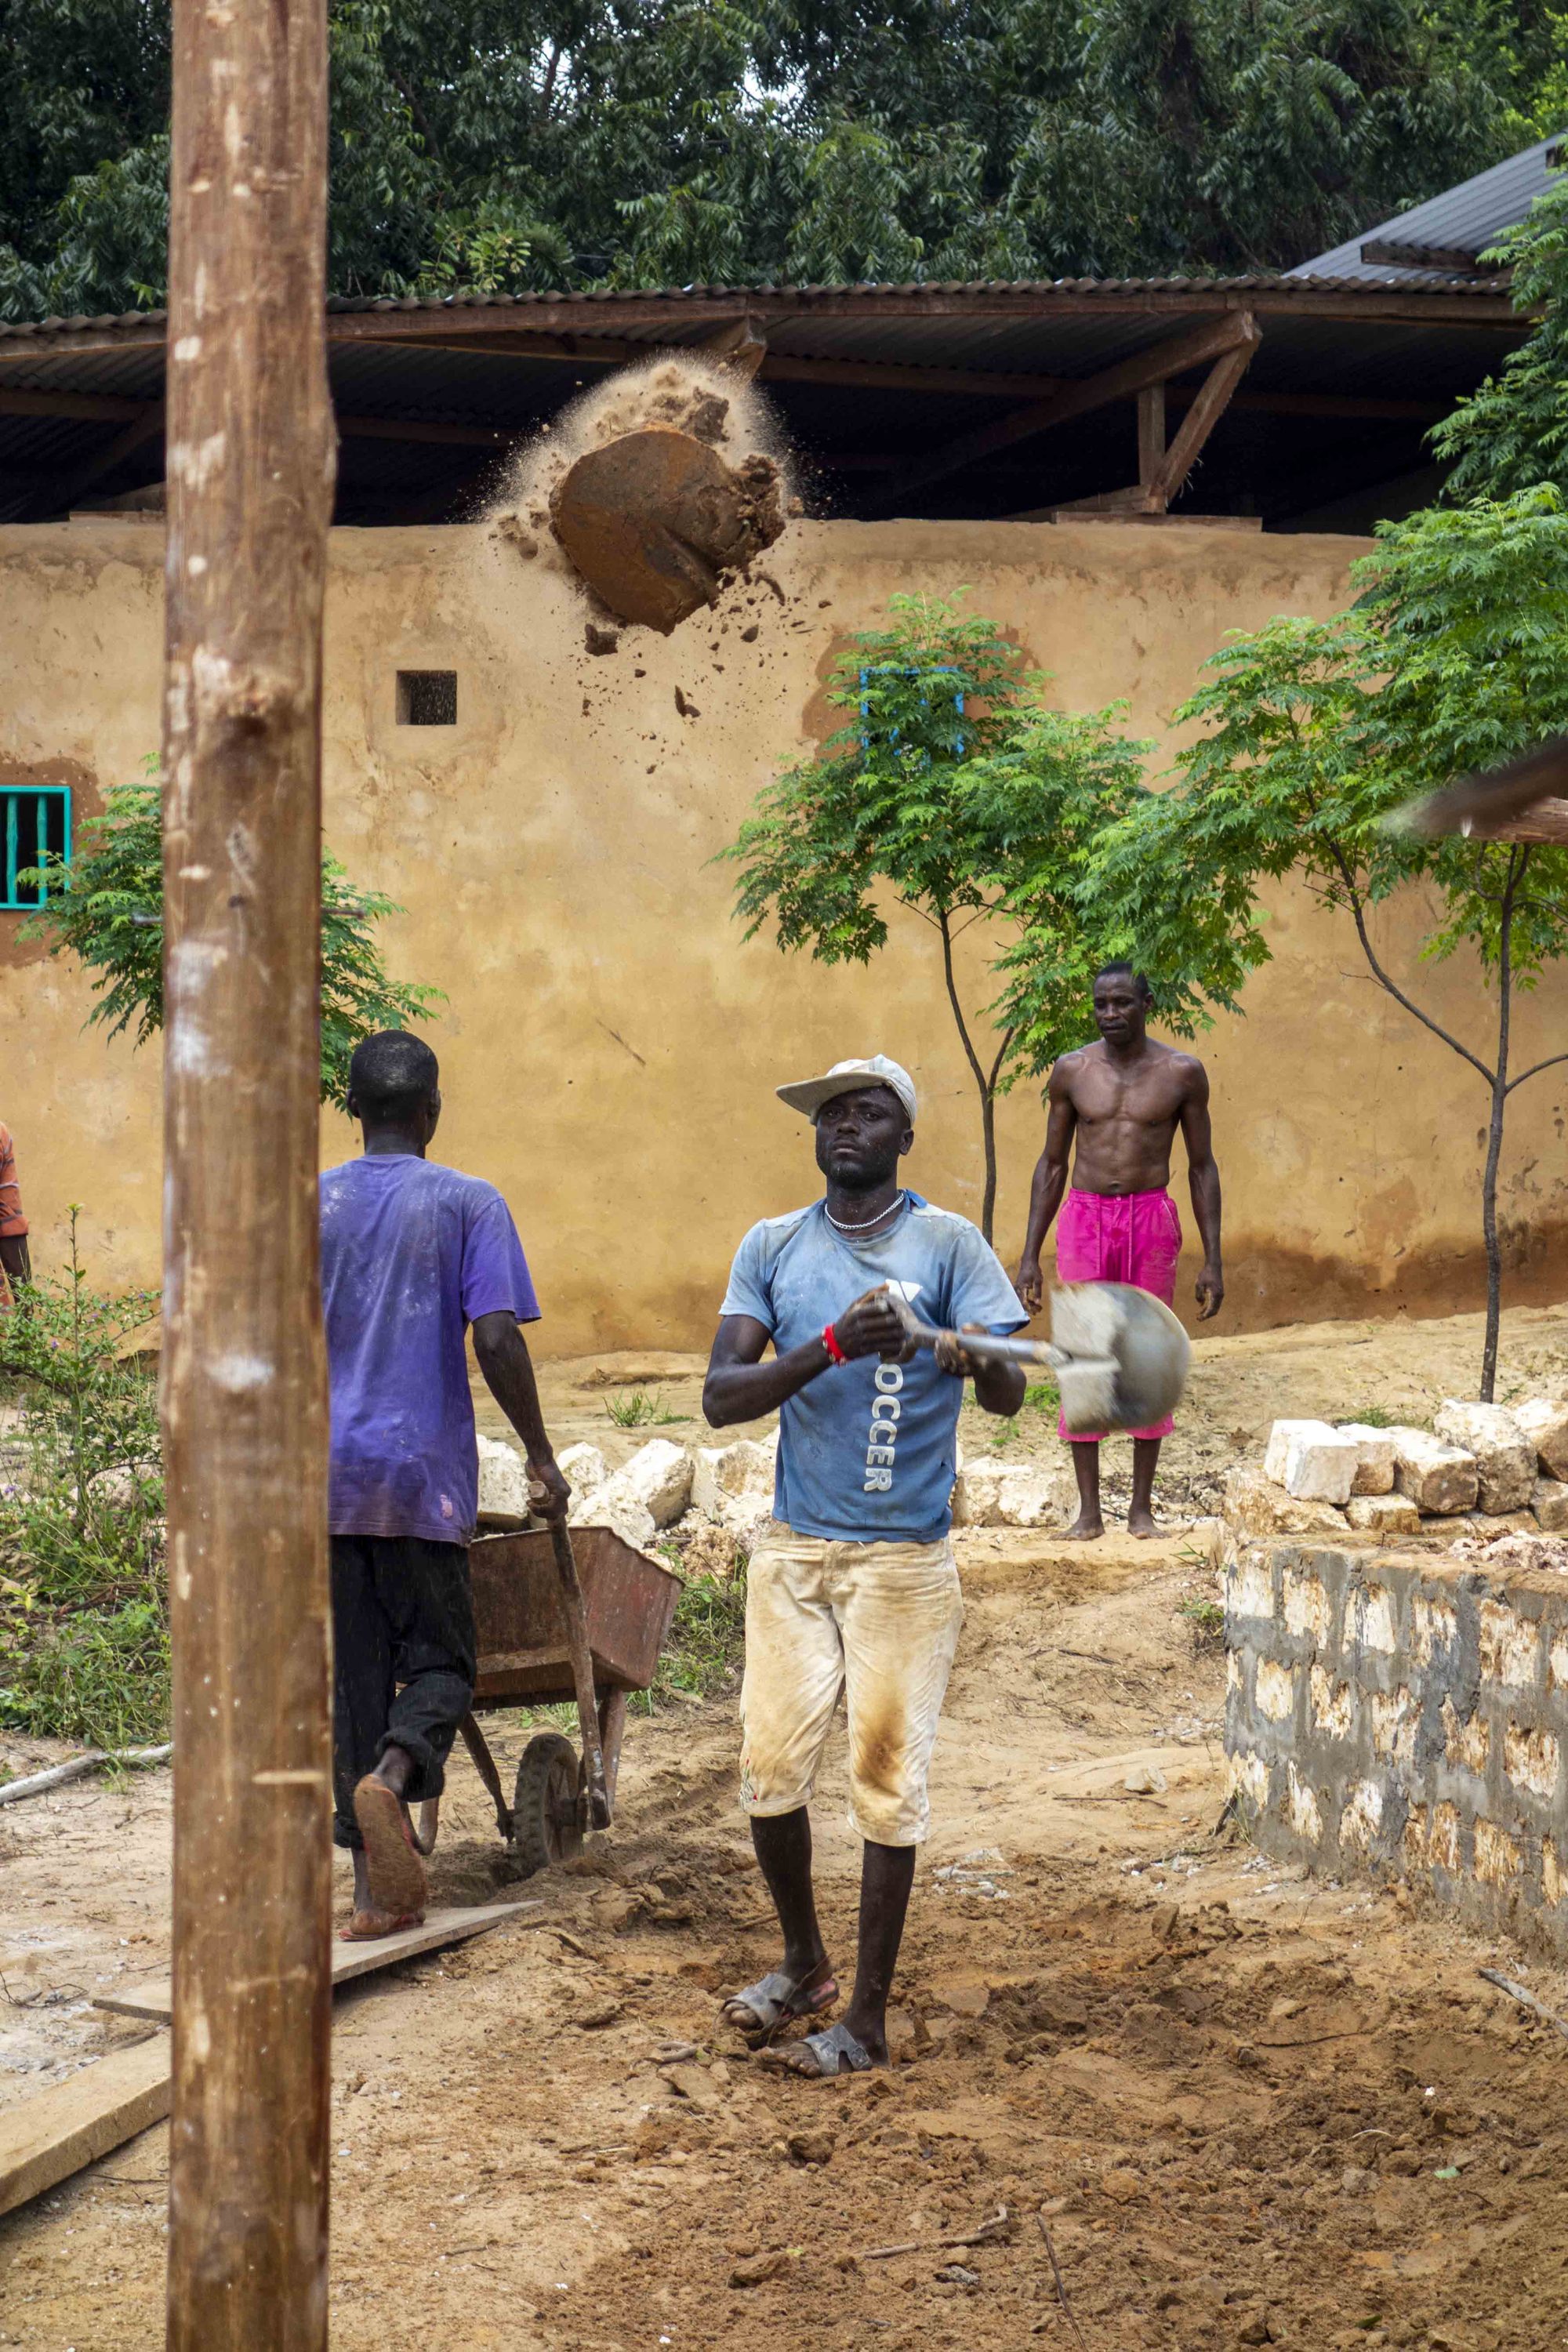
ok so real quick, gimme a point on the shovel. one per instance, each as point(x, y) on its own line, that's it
point(1119, 1354)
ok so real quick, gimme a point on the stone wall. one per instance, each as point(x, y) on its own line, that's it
point(1395, 1714)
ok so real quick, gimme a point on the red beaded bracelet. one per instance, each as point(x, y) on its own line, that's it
point(830, 1342)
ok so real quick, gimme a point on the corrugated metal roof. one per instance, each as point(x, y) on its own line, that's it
point(856, 375)
point(1312, 277)
point(1468, 218)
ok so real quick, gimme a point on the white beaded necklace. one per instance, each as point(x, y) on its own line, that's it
point(868, 1223)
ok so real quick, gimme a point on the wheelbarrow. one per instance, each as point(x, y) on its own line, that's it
point(560, 1618)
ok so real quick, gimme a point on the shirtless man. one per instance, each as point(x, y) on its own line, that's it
point(1122, 1101)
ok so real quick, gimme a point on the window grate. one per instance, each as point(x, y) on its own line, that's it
point(34, 829)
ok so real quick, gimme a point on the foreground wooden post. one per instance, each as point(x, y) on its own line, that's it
point(251, 468)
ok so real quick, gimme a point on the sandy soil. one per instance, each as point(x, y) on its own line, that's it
point(1249, 2107)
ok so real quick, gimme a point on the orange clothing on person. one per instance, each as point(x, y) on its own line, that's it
point(12, 1221)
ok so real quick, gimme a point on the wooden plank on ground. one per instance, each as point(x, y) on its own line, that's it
point(155, 1999)
point(50, 2136)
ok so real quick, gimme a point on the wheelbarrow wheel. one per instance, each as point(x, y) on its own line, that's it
point(546, 1825)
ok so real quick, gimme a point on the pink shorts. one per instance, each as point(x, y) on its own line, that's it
point(1133, 1237)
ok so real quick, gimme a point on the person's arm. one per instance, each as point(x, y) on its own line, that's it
point(999, 1386)
point(1202, 1177)
point(741, 1386)
point(1049, 1184)
point(15, 1258)
point(508, 1368)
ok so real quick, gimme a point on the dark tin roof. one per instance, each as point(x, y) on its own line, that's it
point(862, 377)
point(1468, 220)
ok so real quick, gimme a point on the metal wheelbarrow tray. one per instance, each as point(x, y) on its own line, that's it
point(540, 1597)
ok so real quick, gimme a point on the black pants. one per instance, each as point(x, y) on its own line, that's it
point(403, 1613)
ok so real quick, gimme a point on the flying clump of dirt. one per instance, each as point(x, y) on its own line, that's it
point(657, 485)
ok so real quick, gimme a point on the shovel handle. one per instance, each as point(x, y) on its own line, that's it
point(576, 1616)
point(984, 1344)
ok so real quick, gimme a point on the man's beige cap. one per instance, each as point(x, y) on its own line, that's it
point(808, 1095)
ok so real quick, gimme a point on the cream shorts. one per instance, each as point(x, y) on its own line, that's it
point(879, 1621)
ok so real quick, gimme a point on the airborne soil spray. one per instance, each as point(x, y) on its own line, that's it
point(652, 490)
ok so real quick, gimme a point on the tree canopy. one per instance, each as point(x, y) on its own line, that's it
point(953, 789)
point(1313, 733)
point(504, 143)
point(1511, 433)
point(106, 908)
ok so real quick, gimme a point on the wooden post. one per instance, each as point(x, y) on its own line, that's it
point(1151, 432)
point(250, 470)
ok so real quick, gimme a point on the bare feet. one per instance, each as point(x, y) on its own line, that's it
point(1086, 1529)
point(1141, 1522)
point(366, 1927)
point(395, 1876)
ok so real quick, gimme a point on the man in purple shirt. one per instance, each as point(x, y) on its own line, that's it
point(412, 1255)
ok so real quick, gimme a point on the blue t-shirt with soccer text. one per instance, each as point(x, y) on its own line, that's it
point(867, 1449)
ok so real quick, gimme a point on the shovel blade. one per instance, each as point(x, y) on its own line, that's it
point(1101, 1325)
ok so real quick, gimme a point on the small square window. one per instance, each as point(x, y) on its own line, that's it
point(426, 698)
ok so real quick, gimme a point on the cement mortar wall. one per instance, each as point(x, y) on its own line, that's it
point(610, 1045)
point(1395, 1715)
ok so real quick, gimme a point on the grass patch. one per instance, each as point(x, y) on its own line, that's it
point(705, 1643)
point(640, 1411)
point(1042, 1396)
point(1374, 1416)
point(1205, 1621)
point(84, 1629)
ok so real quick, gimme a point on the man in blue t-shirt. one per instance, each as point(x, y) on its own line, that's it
point(853, 1587)
point(412, 1255)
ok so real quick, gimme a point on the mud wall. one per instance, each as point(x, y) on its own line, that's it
point(1405, 1717)
point(610, 1044)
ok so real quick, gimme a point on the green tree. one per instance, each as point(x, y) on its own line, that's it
point(1455, 657)
point(107, 910)
point(1512, 433)
point(501, 143)
point(953, 788)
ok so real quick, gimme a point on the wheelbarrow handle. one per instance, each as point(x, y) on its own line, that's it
point(576, 1616)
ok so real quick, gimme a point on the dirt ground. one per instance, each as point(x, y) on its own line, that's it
point(1249, 2107)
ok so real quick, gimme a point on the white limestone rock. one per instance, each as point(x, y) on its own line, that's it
point(621, 1513)
point(1505, 1458)
point(503, 1485)
point(1012, 1495)
point(1383, 1515)
point(1549, 1501)
point(1321, 1469)
point(1281, 1437)
point(658, 1477)
point(727, 1480)
point(1255, 1506)
point(1436, 1476)
point(1544, 1422)
point(1375, 1470)
point(584, 1467)
point(127, 1484)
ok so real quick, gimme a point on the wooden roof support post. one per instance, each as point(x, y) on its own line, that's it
point(1078, 396)
point(1214, 398)
point(1151, 433)
point(251, 459)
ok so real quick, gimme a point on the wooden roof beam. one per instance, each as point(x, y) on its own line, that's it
point(1236, 330)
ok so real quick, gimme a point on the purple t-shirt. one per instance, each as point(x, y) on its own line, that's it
point(411, 1255)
